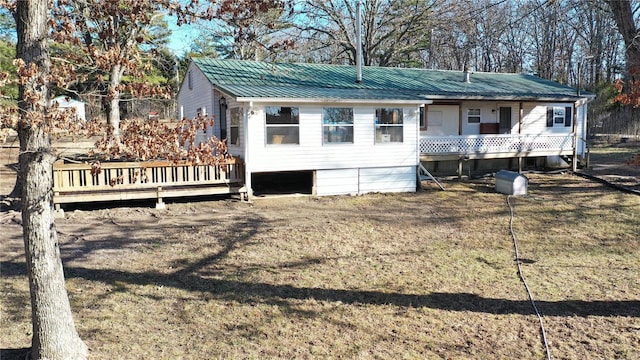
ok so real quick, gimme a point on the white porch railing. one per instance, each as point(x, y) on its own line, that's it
point(496, 144)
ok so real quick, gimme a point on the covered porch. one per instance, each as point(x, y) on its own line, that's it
point(509, 146)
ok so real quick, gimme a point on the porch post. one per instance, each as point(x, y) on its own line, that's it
point(459, 134)
point(520, 118)
point(519, 164)
point(247, 150)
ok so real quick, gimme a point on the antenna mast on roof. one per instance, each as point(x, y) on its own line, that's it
point(358, 42)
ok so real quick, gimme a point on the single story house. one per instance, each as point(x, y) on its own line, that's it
point(336, 129)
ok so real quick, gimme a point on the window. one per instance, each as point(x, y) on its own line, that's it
point(337, 125)
point(190, 80)
point(559, 116)
point(423, 123)
point(234, 129)
point(223, 118)
point(473, 116)
point(388, 125)
point(283, 125)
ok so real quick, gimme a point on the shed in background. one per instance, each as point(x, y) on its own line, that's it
point(65, 102)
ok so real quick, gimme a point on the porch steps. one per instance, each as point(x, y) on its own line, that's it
point(569, 160)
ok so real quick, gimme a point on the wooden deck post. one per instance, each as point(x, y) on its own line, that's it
point(160, 205)
point(519, 164)
point(58, 213)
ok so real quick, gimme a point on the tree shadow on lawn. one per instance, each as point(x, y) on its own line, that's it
point(14, 354)
point(267, 293)
point(247, 292)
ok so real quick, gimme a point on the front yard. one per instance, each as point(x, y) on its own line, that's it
point(426, 275)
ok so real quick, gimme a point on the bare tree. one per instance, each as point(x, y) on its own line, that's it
point(550, 36)
point(515, 40)
point(394, 31)
point(598, 44)
point(256, 35)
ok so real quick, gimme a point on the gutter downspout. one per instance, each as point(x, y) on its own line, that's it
point(520, 125)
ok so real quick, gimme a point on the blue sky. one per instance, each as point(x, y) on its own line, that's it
point(181, 37)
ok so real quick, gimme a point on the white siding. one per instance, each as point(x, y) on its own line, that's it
point(312, 154)
point(396, 179)
point(365, 180)
point(358, 167)
point(336, 182)
point(449, 116)
point(535, 119)
point(200, 95)
point(488, 114)
point(196, 92)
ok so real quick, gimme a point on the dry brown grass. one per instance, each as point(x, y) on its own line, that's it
point(407, 276)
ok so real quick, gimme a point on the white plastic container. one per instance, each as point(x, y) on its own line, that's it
point(511, 183)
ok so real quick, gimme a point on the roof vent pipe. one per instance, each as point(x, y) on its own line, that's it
point(358, 43)
point(467, 75)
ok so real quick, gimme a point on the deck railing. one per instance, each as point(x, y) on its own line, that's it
point(143, 180)
point(496, 144)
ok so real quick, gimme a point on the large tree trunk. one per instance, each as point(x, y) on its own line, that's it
point(54, 332)
point(623, 16)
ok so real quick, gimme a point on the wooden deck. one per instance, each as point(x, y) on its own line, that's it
point(74, 183)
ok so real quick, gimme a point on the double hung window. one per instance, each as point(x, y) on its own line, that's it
point(559, 116)
point(389, 125)
point(337, 125)
point(473, 116)
point(282, 125)
point(234, 128)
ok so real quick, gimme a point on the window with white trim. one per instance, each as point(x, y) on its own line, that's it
point(234, 126)
point(473, 116)
point(559, 116)
point(389, 125)
point(282, 125)
point(337, 125)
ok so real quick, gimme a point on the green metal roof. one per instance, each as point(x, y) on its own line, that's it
point(261, 80)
